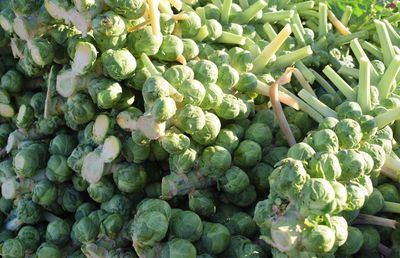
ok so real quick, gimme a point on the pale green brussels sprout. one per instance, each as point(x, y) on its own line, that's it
point(171, 48)
point(339, 225)
point(349, 109)
point(48, 250)
point(214, 29)
point(317, 197)
point(235, 180)
point(148, 228)
point(228, 77)
point(118, 64)
point(28, 160)
point(242, 60)
point(193, 92)
point(179, 248)
point(190, 49)
point(134, 152)
point(352, 163)
point(112, 225)
point(130, 9)
point(105, 93)
point(7, 17)
point(202, 202)
point(144, 41)
point(178, 74)
point(37, 102)
point(214, 161)
point(280, 137)
point(247, 82)
point(27, 66)
point(288, 177)
point(41, 51)
point(301, 151)
point(163, 109)
point(175, 142)
point(213, 97)
point(340, 197)
point(324, 140)
point(376, 152)
point(157, 87)
point(57, 169)
point(79, 109)
point(62, 33)
point(28, 212)
point(85, 56)
point(266, 116)
point(374, 203)
point(130, 178)
point(371, 237)
point(190, 119)
point(219, 58)
point(186, 225)
point(167, 24)
point(74, 40)
point(349, 133)
point(25, 116)
point(243, 199)
point(44, 193)
point(57, 232)
point(109, 31)
point(75, 160)
point(260, 133)
point(183, 162)
point(228, 139)
point(69, 198)
point(389, 192)
point(247, 154)
point(11, 81)
point(356, 196)
point(212, 12)
point(368, 126)
point(210, 131)
point(190, 26)
point(62, 144)
point(246, 108)
point(353, 243)
point(101, 191)
point(229, 107)
point(85, 230)
point(215, 238)
point(369, 163)
point(318, 238)
point(285, 232)
point(13, 248)
point(30, 238)
point(324, 165)
point(205, 71)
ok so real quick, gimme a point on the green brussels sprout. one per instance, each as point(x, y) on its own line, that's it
point(25, 117)
point(130, 178)
point(130, 9)
point(62, 144)
point(352, 163)
point(112, 225)
point(247, 154)
point(137, 153)
point(79, 109)
point(205, 71)
point(28, 160)
point(174, 142)
point(280, 137)
point(171, 48)
point(186, 225)
point(389, 192)
point(212, 98)
point(109, 31)
point(339, 225)
point(57, 232)
point(144, 41)
point(349, 109)
point(101, 191)
point(178, 74)
point(118, 64)
point(371, 237)
point(247, 83)
point(48, 250)
point(356, 196)
point(167, 24)
point(325, 165)
point(28, 212)
point(229, 107)
point(242, 60)
point(13, 248)
point(84, 57)
point(328, 123)
point(241, 246)
point(30, 238)
point(11, 81)
point(215, 238)
point(260, 133)
point(190, 119)
point(259, 175)
point(214, 29)
point(368, 126)
point(324, 140)
point(7, 17)
point(163, 109)
point(377, 153)
point(191, 25)
point(27, 66)
point(157, 152)
point(301, 151)
point(349, 133)
point(57, 169)
point(214, 161)
point(44, 193)
point(193, 92)
point(210, 131)
point(288, 178)
point(243, 199)
point(183, 162)
point(157, 87)
point(228, 139)
point(241, 223)
point(235, 180)
point(84, 210)
point(41, 51)
point(179, 248)
point(330, 100)
point(117, 204)
point(318, 239)
point(374, 203)
point(158, 205)
point(190, 49)
point(340, 196)
point(75, 160)
point(228, 77)
point(148, 228)
point(219, 58)
point(202, 202)
point(353, 243)
point(85, 230)
point(69, 198)
point(25, 7)
point(317, 197)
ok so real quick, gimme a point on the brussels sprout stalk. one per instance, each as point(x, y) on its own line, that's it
point(292, 57)
point(359, 53)
point(265, 56)
point(372, 49)
point(177, 4)
point(342, 40)
point(374, 220)
point(324, 84)
point(296, 20)
point(388, 117)
point(385, 84)
point(50, 83)
point(247, 15)
point(226, 11)
point(277, 16)
point(364, 91)
point(230, 38)
point(303, 5)
point(343, 87)
point(317, 104)
point(347, 71)
point(305, 71)
point(138, 26)
point(298, 35)
point(384, 250)
point(340, 27)
point(391, 207)
point(323, 20)
point(149, 65)
point(264, 89)
point(154, 14)
point(394, 36)
point(348, 11)
point(386, 43)
point(269, 31)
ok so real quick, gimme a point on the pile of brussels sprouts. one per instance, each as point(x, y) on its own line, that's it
point(199, 129)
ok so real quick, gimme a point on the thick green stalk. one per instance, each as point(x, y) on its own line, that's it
point(364, 86)
point(296, 20)
point(298, 35)
point(324, 83)
point(346, 15)
point(341, 40)
point(230, 38)
point(226, 11)
point(359, 53)
point(262, 60)
point(217, 3)
point(149, 65)
point(372, 49)
point(292, 57)
point(202, 34)
point(247, 15)
point(309, 13)
point(386, 118)
point(347, 71)
point(386, 43)
point(270, 31)
point(304, 5)
point(317, 104)
point(307, 73)
point(277, 16)
point(312, 25)
point(323, 20)
point(392, 207)
point(343, 87)
point(244, 4)
point(394, 36)
point(384, 85)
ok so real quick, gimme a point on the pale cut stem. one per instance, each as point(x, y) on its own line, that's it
point(230, 38)
point(377, 221)
point(180, 17)
point(298, 35)
point(340, 27)
point(307, 73)
point(181, 59)
point(359, 53)
point(386, 43)
point(317, 104)
point(202, 34)
point(392, 162)
point(149, 65)
point(323, 20)
point(342, 40)
point(247, 15)
point(244, 4)
point(364, 86)
point(304, 5)
point(265, 56)
point(343, 87)
point(346, 15)
point(394, 36)
point(277, 16)
point(264, 89)
point(290, 58)
point(270, 31)
point(372, 49)
point(296, 20)
point(154, 14)
point(309, 14)
point(177, 4)
point(226, 11)
point(386, 118)
point(347, 71)
point(392, 207)
point(324, 83)
point(384, 85)
point(139, 26)
point(303, 82)
point(389, 173)
point(165, 7)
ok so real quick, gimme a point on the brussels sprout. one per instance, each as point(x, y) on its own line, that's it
point(148, 228)
point(209, 132)
point(247, 154)
point(178, 74)
point(368, 126)
point(228, 77)
point(340, 196)
point(28, 212)
point(242, 60)
point(57, 169)
point(112, 225)
point(79, 109)
point(30, 238)
point(318, 239)
point(171, 48)
point(84, 210)
point(371, 237)
point(109, 31)
point(186, 225)
point(339, 225)
point(130, 178)
point(75, 160)
point(229, 107)
point(202, 202)
point(228, 139)
point(241, 223)
point(190, 119)
point(25, 116)
point(325, 165)
point(349, 133)
point(212, 98)
point(183, 162)
point(214, 161)
point(44, 193)
point(28, 160)
point(285, 232)
point(324, 140)
point(353, 243)
point(235, 180)
point(240, 246)
point(175, 142)
point(41, 51)
point(301, 151)
point(179, 248)
point(260, 133)
point(349, 109)
point(13, 248)
point(118, 64)
point(11, 81)
point(84, 57)
point(389, 192)
point(352, 163)
point(317, 197)
point(131, 9)
point(205, 71)
point(101, 191)
point(243, 199)
point(193, 92)
point(215, 238)
point(57, 232)
point(117, 204)
point(191, 25)
point(374, 203)
point(163, 109)
point(377, 154)
point(144, 41)
point(156, 87)
point(69, 198)
point(62, 144)
point(137, 153)
point(190, 49)
point(355, 196)
point(85, 230)
point(7, 17)
point(280, 137)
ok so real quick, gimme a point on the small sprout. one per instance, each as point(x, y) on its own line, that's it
point(118, 64)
